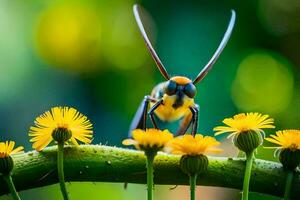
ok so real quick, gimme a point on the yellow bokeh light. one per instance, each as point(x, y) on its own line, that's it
point(68, 36)
point(263, 83)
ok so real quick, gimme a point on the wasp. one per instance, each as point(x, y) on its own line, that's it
point(173, 99)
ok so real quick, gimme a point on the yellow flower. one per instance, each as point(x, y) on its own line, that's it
point(151, 138)
point(7, 148)
point(245, 122)
point(286, 139)
point(198, 145)
point(64, 118)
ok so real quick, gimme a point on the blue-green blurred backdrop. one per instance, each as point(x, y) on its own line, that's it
point(90, 55)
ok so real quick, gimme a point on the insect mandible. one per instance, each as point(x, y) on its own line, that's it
point(173, 99)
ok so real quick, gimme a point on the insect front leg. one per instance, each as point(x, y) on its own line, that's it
point(185, 124)
point(195, 116)
point(140, 117)
point(151, 112)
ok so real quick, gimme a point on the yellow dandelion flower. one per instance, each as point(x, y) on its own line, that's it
point(288, 149)
point(7, 149)
point(7, 164)
point(60, 118)
point(286, 139)
point(198, 145)
point(245, 122)
point(151, 138)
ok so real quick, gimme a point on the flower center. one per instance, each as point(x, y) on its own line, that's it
point(62, 125)
point(3, 154)
point(293, 147)
point(244, 129)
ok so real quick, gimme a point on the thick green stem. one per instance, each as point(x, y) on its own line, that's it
point(98, 163)
point(60, 170)
point(289, 180)
point(193, 183)
point(150, 160)
point(11, 186)
point(249, 161)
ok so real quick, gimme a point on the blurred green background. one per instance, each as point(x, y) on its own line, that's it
point(89, 55)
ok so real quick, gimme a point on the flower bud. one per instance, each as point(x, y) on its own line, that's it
point(193, 165)
point(289, 158)
point(61, 135)
point(6, 165)
point(247, 141)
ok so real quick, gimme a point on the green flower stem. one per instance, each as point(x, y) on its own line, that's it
point(249, 161)
point(149, 164)
point(60, 169)
point(11, 187)
point(289, 179)
point(193, 179)
point(150, 179)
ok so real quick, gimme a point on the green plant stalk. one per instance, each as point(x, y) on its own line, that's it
point(289, 180)
point(60, 170)
point(193, 183)
point(249, 162)
point(11, 187)
point(98, 163)
point(149, 165)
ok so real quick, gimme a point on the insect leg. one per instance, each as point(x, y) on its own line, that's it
point(151, 112)
point(185, 124)
point(140, 117)
point(195, 111)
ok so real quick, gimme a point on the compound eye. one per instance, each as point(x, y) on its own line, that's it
point(190, 90)
point(170, 88)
